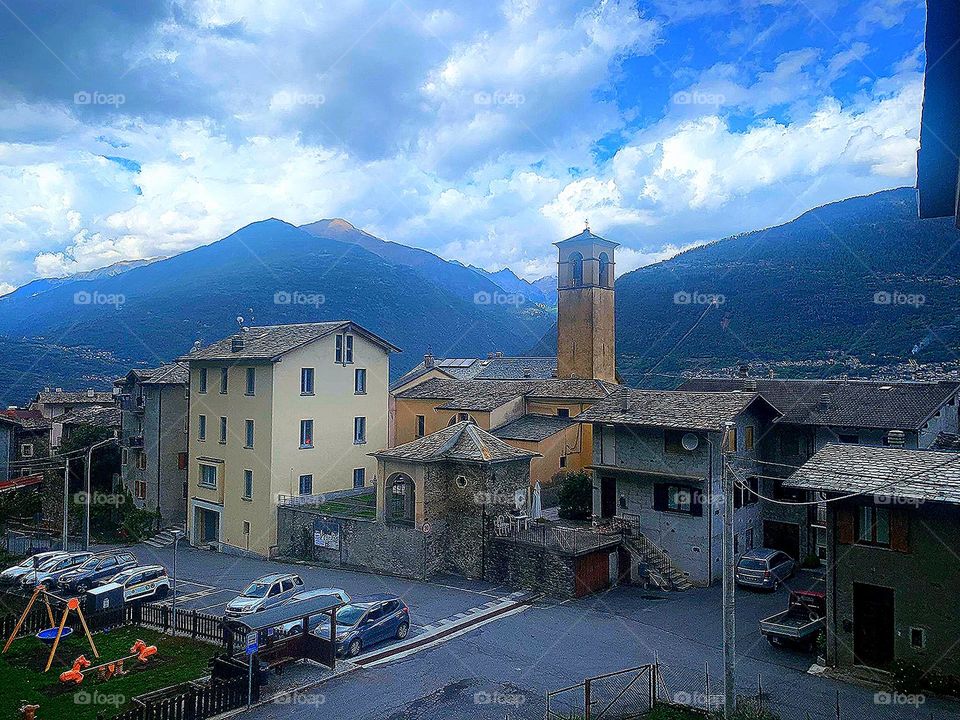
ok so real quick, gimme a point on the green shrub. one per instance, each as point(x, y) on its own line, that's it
point(575, 494)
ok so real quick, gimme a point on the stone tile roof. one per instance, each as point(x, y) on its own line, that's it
point(485, 395)
point(884, 471)
point(947, 442)
point(843, 403)
point(533, 427)
point(269, 342)
point(491, 368)
point(462, 441)
point(27, 419)
point(671, 408)
point(98, 416)
point(73, 397)
point(170, 374)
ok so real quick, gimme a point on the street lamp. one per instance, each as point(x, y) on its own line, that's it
point(177, 536)
point(86, 522)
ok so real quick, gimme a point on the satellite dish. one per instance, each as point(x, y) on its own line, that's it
point(690, 441)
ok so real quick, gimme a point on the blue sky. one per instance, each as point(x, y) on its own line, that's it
point(481, 131)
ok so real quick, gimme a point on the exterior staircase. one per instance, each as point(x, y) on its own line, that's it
point(655, 563)
point(164, 538)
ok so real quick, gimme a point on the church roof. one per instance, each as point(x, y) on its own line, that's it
point(587, 236)
point(462, 441)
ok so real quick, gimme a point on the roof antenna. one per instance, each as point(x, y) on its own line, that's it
point(586, 225)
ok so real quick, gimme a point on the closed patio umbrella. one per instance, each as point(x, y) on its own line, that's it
point(536, 512)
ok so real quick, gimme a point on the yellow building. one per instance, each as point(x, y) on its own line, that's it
point(280, 410)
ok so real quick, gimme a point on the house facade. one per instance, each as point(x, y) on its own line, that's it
point(658, 463)
point(818, 412)
point(154, 407)
point(53, 403)
point(280, 410)
point(893, 526)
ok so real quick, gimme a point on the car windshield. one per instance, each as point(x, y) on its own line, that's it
point(122, 577)
point(350, 614)
point(753, 564)
point(256, 590)
point(52, 563)
point(90, 564)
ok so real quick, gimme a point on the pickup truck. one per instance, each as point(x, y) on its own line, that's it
point(800, 623)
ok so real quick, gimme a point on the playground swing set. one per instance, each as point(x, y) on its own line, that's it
point(53, 634)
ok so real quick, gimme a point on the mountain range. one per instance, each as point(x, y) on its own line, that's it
point(860, 278)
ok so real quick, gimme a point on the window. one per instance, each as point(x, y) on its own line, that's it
point(917, 638)
point(246, 527)
point(124, 456)
point(223, 430)
point(201, 427)
point(576, 268)
point(678, 499)
point(402, 499)
point(421, 426)
point(223, 380)
point(359, 430)
point(461, 417)
point(359, 477)
point(202, 383)
point(604, 270)
point(746, 494)
point(306, 484)
point(141, 460)
point(306, 381)
point(181, 461)
point(673, 441)
point(563, 461)
point(731, 445)
point(306, 433)
point(249, 433)
point(251, 381)
point(339, 353)
point(749, 539)
point(140, 489)
point(873, 526)
point(789, 445)
point(208, 475)
point(748, 437)
point(563, 412)
point(247, 484)
point(360, 381)
point(349, 353)
point(26, 450)
point(849, 439)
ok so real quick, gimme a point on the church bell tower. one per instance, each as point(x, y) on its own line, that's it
point(585, 313)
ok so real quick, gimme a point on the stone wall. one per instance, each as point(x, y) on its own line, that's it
point(529, 567)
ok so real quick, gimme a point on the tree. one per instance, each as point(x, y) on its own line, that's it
point(575, 495)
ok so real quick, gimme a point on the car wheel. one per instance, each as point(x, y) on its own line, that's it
point(295, 630)
point(354, 648)
point(402, 631)
point(773, 640)
point(162, 592)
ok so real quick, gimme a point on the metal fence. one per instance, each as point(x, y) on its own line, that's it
point(23, 544)
point(620, 695)
point(559, 538)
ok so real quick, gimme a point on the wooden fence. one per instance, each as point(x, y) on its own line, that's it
point(193, 701)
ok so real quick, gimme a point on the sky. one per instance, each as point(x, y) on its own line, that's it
point(482, 131)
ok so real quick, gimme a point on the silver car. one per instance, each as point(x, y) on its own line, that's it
point(295, 627)
point(12, 575)
point(764, 568)
point(264, 593)
point(52, 570)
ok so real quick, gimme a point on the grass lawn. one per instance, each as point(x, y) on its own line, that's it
point(22, 677)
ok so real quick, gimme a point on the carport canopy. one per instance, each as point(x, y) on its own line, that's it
point(283, 614)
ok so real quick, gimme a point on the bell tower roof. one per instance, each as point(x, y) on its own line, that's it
point(587, 237)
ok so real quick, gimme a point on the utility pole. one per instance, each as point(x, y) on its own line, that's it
point(66, 500)
point(86, 522)
point(729, 601)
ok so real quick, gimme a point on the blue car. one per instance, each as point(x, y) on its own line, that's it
point(367, 621)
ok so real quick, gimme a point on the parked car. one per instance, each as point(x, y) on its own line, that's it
point(52, 570)
point(99, 567)
point(295, 627)
point(12, 574)
point(801, 623)
point(764, 568)
point(142, 582)
point(368, 621)
point(263, 593)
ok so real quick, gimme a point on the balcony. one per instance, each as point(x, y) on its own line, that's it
point(135, 441)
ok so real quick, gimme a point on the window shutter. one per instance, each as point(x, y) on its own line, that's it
point(182, 461)
point(845, 526)
point(899, 531)
point(660, 497)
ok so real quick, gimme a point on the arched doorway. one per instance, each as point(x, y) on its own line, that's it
point(403, 499)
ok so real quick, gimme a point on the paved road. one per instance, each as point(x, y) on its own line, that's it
point(502, 669)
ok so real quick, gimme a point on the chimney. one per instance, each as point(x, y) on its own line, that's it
point(624, 401)
point(90, 393)
point(527, 372)
point(498, 354)
point(895, 438)
point(236, 344)
point(743, 370)
point(428, 360)
point(824, 403)
point(490, 356)
point(750, 385)
point(59, 390)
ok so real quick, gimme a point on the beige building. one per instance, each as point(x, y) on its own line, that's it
point(283, 410)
